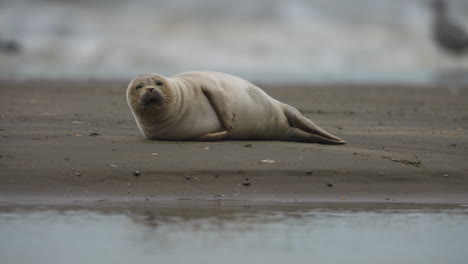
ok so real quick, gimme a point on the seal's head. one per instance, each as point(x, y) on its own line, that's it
point(148, 93)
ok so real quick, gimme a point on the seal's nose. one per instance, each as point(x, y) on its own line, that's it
point(150, 89)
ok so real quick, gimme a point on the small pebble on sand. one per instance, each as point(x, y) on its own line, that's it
point(267, 161)
point(246, 182)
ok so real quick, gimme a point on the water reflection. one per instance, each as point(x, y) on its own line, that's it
point(234, 234)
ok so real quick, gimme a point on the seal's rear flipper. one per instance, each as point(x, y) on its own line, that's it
point(310, 131)
point(297, 134)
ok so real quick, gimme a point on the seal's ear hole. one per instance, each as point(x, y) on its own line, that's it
point(139, 86)
point(159, 83)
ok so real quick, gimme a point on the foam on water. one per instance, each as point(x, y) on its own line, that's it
point(261, 40)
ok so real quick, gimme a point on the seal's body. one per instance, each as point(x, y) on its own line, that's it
point(210, 106)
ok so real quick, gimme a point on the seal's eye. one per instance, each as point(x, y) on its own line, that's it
point(139, 86)
point(159, 83)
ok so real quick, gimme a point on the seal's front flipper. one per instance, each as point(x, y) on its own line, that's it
point(212, 136)
point(221, 104)
point(297, 120)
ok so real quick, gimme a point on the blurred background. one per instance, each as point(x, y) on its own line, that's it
point(262, 40)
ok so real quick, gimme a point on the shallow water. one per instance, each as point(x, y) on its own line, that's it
point(242, 234)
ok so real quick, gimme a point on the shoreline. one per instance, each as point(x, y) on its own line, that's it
point(72, 142)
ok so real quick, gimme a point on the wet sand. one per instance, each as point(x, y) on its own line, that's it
point(69, 142)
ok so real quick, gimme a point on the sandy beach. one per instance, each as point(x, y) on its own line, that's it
point(69, 142)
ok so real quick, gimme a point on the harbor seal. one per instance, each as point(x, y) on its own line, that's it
point(211, 106)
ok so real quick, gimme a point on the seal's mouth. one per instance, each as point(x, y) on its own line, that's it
point(151, 98)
